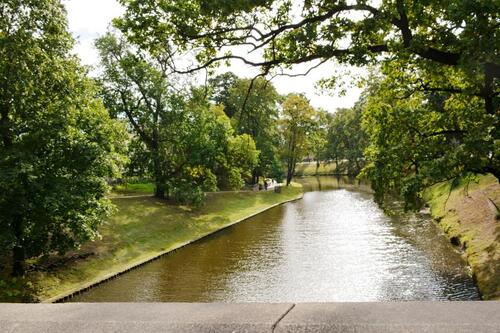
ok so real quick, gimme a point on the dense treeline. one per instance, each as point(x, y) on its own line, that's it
point(431, 115)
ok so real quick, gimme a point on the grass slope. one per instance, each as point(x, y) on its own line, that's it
point(468, 216)
point(309, 169)
point(134, 188)
point(143, 228)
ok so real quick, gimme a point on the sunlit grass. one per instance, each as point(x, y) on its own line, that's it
point(310, 169)
point(134, 188)
point(143, 227)
point(464, 213)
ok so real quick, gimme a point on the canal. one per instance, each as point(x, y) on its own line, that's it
point(333, 245)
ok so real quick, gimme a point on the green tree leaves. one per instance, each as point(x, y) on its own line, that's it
point(420, 136)
point(58, 144)
point(297, 124)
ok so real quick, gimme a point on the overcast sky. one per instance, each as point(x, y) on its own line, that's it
point(89, 19)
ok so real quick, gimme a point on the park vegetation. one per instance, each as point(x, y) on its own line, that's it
point(65, 136)
point(429, 112)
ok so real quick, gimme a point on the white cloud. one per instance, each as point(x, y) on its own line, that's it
point(89, 19)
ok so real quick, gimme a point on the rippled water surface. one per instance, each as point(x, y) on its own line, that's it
point(334, 245)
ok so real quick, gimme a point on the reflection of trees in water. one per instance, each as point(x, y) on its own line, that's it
point(324, 183)
point(238, 262)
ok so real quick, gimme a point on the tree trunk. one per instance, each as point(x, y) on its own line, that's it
point(18, 253)
point(158, 174)
point(159, 190)
point(294, 164)
point(291, 159)
point(288, 177)
point(291, 169)
point(18, 261)
point(255, 178)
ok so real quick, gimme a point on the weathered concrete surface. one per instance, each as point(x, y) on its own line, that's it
point(456, 317)
point(408, 317)
point(140, 317)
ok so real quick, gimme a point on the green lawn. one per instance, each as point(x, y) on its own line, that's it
point(144, 227)
point(309, 169)
point(133, 188)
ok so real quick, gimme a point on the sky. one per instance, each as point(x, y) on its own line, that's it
point(89, 19)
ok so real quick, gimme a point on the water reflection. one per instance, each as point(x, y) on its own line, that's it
point(334, 245)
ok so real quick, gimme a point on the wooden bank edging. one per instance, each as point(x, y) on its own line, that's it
point(86, 286)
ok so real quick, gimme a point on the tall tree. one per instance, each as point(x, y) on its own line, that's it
point(221, 91)
point(139, 91)
point(298, 120)
point(254, 105)
point(318, 139)
point(57, 142)
point(347, 140)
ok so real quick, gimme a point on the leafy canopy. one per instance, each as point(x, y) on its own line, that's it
point(57, 142)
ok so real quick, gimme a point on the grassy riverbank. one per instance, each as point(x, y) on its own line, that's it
point(311, 169)
point(467, 213)
point(143, 228)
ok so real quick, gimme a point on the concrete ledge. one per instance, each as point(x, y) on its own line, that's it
point(410, 317)
point(388, 317)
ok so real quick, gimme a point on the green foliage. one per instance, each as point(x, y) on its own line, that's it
point(254, 108)
point(318, 138)
point(221, 91)
point(176, 138)
point(184, 142)
point(275, 170)
point(347, 140)
point(436, 114)
point(242, 158)
point(421, 137)
point(298, 122)
point(57, 142)
point(191, 187)
point(15, 290)
point(457, 33)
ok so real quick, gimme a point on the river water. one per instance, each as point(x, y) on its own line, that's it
point(333, 245)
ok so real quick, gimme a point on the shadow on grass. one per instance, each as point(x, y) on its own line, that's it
point(490, 269)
